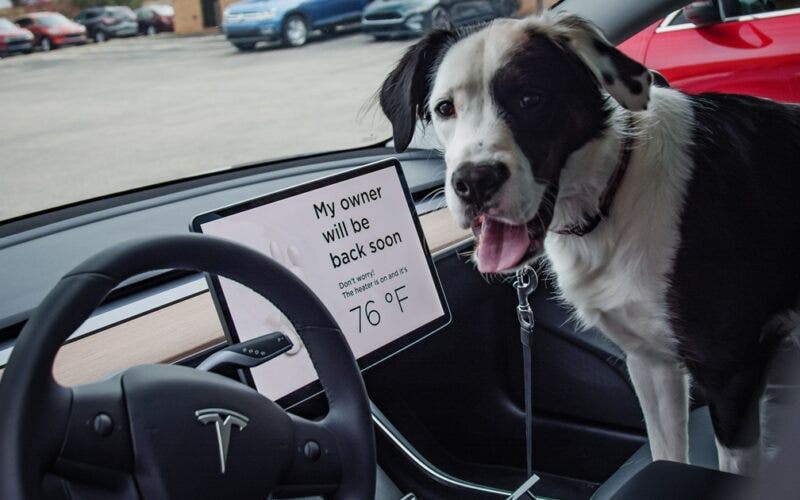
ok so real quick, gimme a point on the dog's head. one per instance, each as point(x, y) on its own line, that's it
point(509, 104)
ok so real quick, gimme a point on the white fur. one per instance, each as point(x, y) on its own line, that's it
point(745, 460)
point(663, 391)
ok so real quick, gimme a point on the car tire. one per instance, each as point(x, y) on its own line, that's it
point(440, 19)
point(245, 47)
point(100, 37)
point(46, 44)
point(151, 30)
point(294, 31)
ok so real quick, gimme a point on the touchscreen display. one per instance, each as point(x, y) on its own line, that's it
point(355, 240)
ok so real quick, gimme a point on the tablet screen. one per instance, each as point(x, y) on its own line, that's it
point(355, 240)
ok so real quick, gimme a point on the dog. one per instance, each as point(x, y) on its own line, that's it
point(669, 221)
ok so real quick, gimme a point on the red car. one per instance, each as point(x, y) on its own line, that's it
point(735, 46)
point(52, 30)
point(14, 39)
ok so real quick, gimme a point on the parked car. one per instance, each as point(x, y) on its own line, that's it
point(393, 18)
point(14, 39)
point(155, 19)
point(251, 21)
point(103, 23)
point(737, 46)
point(52, 30)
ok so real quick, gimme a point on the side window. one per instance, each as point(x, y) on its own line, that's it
point(679, 19)
point(24, 22)
point(735, 8)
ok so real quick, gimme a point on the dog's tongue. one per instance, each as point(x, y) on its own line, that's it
point(502, 246)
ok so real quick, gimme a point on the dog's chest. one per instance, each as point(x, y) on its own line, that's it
point(617, 290)
point(617, 276)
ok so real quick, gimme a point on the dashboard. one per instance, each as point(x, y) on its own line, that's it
point(172, 320)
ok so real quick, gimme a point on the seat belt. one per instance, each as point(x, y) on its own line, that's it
point(525, 284)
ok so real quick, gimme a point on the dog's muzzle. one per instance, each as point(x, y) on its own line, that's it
point(503, 247)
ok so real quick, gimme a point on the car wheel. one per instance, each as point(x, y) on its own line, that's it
point(100, 37)
point(46, 44)
point(244, 47)
point(440, 19)
point(151, 30)
point(295, 31)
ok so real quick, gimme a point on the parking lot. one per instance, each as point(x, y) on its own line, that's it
point(86, 121)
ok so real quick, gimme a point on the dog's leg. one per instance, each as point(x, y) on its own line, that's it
point(734, 407)
point(743, 460)
point(663, 390)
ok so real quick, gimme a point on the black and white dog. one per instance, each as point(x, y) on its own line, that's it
point(670, 221)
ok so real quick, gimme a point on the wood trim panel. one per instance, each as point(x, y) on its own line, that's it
point(184, 328)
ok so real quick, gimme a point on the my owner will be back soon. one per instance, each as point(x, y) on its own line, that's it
point(344, 228)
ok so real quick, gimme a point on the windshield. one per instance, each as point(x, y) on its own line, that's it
point(163, 10)
point(6, 25)
point(122, 13)
point(120, 108)
point(52, 20)
point(123, 105)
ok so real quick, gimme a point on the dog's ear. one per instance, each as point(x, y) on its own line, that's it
point(627, 81)
point(404, 94)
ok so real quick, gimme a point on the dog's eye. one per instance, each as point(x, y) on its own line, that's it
point(529, 101)
point(445, 109)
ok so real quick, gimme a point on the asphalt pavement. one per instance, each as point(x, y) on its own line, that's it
point(86, 121)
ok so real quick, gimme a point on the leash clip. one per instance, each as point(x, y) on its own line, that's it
point(525, 284)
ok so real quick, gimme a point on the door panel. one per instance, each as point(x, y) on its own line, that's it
point(324, 12)
point(458, 395)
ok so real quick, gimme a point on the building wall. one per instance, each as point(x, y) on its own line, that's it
point(529, 6)
point(188, 17)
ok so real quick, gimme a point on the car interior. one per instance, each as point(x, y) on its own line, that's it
point(129, 334)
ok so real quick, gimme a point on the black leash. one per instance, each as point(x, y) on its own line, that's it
point(526, 284)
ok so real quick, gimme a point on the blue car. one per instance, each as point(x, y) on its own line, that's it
point(248, 22)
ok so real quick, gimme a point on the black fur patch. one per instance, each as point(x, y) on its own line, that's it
point(571, 112)
point(404, 94)
point(627, 68)
point(738, 262)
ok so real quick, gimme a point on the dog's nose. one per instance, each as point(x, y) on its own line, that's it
point(476, 183)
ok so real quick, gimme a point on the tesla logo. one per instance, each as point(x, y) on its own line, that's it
point(223, 421)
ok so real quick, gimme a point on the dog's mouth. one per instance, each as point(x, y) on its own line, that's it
point(503, 247)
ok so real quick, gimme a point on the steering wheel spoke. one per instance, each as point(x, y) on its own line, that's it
point(97, 442)
point(316, 464)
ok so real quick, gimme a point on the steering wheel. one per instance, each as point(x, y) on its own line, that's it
point(166, 431)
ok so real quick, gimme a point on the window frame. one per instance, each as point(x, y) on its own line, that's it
point(664, 26)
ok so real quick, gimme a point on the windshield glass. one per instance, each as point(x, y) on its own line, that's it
point(123, 107)
point(123, 13)
point(52, 20)
point(6, 25)
point(163, 10)
point(220, 83)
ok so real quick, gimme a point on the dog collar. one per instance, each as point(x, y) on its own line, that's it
point(590, 222)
